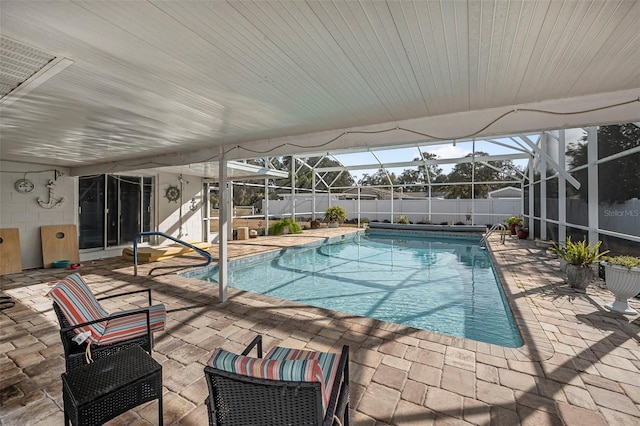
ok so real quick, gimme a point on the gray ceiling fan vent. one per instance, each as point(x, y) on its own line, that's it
point(19, 62)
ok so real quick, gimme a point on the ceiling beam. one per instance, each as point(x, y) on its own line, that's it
point(603, 108)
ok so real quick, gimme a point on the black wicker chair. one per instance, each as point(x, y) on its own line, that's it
point(75, 354)
point(238, 400)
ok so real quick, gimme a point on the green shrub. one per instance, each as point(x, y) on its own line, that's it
point(335, 214)
point(581, 253)
point(279, 225)
point(557, 249)
point(514, 220)
point(626, 261)
point(404, 220)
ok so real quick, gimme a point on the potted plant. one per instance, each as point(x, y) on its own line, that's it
point(513, 223)
point(523, 233)
point(335, 215)
point(285, 226)
point(622, 276)
point(404, 220)
point(559, 250)
point(579, 257)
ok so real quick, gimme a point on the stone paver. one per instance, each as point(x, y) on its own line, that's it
point(573, 415)
point(580, 364)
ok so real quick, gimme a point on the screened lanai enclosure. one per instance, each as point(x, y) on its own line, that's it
point(445, 112)
point(582, 183)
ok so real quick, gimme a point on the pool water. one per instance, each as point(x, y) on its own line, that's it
point(431, 283)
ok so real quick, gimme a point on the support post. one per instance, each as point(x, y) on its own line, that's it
point(562, 190)
point(230, 211)
point(544, 142)
point(293, 188)
point(206, 212)
point(532, 206)
point(391, 203)
point(592, 179)
point(313, 194)
point(222, 226)
point(473, 179)
point(358, 206)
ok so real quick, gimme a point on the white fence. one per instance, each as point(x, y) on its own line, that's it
point(478, 212)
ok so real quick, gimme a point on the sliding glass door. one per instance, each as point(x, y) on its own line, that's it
point(112, 209)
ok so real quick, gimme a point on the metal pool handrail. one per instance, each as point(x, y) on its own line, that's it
point(201, 252)
point(500, 226)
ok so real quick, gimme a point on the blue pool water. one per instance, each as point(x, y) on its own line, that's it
point(443, 285)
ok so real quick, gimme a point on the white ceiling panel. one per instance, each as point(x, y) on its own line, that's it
point(161, 83)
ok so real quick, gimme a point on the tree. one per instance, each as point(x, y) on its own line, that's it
point(378, 178)
point(466, 172)
point(245, 195)
point(429, 173)
point(618, 180)
point(304, 175)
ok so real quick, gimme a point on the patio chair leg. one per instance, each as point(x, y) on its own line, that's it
point(160, 422)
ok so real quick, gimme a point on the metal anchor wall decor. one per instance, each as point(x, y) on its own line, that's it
point(53, 202)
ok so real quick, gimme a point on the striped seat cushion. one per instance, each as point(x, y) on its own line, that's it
point(79, 305)
point(133, 326)
point(297, 370)
point(327, 361)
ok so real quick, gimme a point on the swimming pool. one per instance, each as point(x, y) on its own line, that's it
point(447, 285)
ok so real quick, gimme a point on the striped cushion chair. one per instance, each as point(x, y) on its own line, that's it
point(83, 320)
point(286, 387)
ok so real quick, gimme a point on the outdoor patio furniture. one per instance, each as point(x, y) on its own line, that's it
point(84, 322)
point(286, 387)
point(104, 389)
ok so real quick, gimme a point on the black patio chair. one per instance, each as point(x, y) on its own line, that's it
point(79, 312)
point(286, 387)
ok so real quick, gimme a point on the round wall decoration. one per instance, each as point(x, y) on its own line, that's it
point(24, 186)
point(172, 193)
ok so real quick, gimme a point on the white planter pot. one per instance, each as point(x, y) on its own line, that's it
point(333, 224)
point(623, 283)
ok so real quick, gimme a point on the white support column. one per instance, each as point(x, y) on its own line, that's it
point(562, 190)
point(222, 226)
point(473, 178)
point(592, 179)
point(313, 194)
point(391, 203)
point(430, 203)
point(230, 216)
point(544, 144)
point(206, 212)
point(266, 207)
point(358, 206)
point(532, 226)
point(293, 188)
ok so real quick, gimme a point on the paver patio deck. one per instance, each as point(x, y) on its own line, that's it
point(580, 364)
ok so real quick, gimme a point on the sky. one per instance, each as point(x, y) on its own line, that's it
point(444, 151)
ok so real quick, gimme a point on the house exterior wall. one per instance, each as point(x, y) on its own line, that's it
point(22, 211)
point(176, 218)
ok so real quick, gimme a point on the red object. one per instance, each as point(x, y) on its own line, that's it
point(523, 234)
